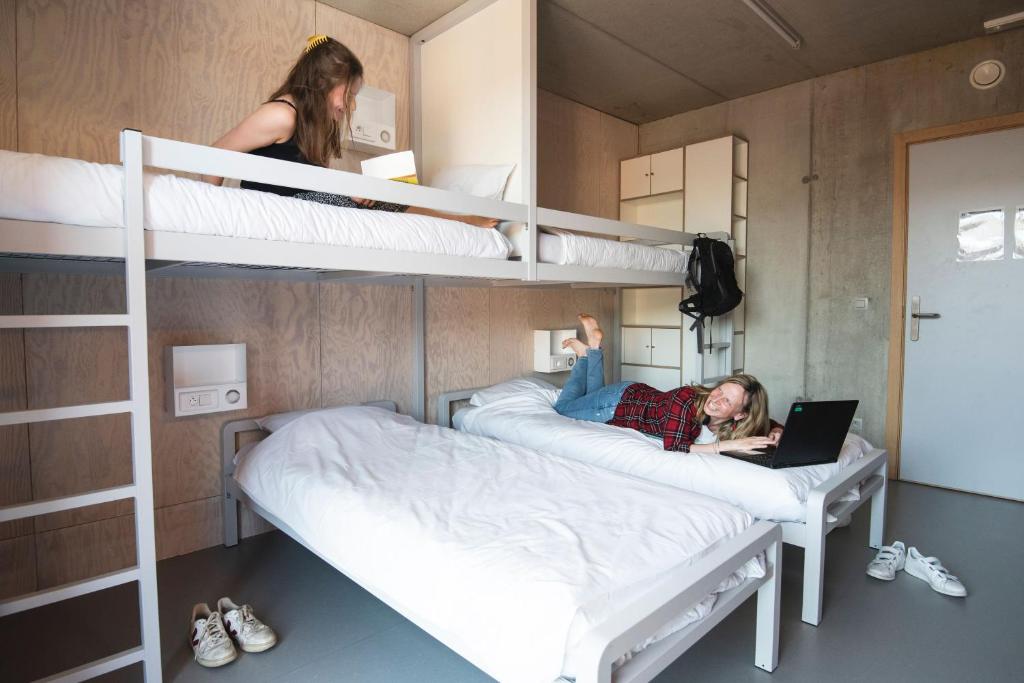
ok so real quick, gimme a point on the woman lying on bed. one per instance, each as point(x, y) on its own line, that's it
point(731, 416)
point(305, 121)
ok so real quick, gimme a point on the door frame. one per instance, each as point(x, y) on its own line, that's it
point(898, 289)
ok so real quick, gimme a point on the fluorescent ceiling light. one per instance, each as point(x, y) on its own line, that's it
point(1009, 21)
point(772, 18)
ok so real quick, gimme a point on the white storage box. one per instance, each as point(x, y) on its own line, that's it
point(206, 379)
point(548, 354)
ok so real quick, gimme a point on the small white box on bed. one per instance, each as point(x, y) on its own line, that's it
point(206, 379)
point(548, 354)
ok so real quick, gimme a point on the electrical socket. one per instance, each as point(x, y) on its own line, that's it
point(857, 426)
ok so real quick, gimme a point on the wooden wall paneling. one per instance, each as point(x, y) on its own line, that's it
point(457, 341)
point(278, 323)
point(85, 550)
point(18, 570)
point(15, 467)
point(366, 343)
point(251, 524)
point(188, 527)
point(510, 333)
point(385, 58)
point(74, 366)
point(569, 152)
point(8, 76)
point(206, 65)
point(78, 75)
point(619, 140)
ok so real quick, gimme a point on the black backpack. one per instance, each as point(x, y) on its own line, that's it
point(711, 273)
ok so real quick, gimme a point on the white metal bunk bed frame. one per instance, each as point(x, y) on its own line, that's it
point(823, 512)
point(630, 624)
point(132, 249)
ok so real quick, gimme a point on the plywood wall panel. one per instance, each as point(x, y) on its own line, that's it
point(78, 75)
point(18, 569)
point(457, 337)
point(86, 550)
point(277, 321)
point(619, 140)
point(8, 76)
point(385, 58)
point(15, 467)
point(366, 344)
point(509, 334)
point(207, 65)
point(188, 527)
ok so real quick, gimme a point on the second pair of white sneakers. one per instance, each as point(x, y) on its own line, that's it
point(214, 634)
point(892, 558)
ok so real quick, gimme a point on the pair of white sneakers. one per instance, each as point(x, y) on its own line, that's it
point(892, 558)
point(214, 634)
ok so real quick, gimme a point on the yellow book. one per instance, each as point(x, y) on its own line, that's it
point(400, 166)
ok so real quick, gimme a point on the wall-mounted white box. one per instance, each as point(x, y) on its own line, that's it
point(210, 378)
point(548, 354)
point(373, 123)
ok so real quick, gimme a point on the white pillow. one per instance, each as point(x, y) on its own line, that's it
point(509, 388)
point(479, 180)
point(271, 423)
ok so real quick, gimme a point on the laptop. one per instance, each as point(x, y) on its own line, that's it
point(814, 434)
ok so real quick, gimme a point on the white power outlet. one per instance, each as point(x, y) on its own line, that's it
point(857, 426)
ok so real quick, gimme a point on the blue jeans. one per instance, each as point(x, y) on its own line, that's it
point(585, 396)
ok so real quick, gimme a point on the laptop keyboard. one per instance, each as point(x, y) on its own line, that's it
point(763, 459)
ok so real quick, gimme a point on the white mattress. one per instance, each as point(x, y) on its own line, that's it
point(568, 249)
point(504, 554)
point(526, 416)
point(35, 187)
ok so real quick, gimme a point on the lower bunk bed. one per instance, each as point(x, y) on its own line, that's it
point(530, 567)
point(808, 502)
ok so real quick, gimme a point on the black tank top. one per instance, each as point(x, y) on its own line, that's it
point(285, 151)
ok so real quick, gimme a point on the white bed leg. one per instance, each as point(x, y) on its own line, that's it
point(877, 537)
point(230, 515)
point(766, 646)
point(814, 565)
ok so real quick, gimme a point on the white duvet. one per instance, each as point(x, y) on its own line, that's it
point(35, 187)
point(526, 416)
point(506, 555)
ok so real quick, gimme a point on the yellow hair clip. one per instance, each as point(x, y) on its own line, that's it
point(313, 41)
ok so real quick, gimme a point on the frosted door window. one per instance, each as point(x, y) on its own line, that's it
point(980, 235)
point(1018, 234)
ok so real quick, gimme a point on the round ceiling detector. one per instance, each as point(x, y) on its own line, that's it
point(987, 74)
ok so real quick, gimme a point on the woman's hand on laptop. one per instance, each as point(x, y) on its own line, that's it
point(775, 435)
point(749, 443)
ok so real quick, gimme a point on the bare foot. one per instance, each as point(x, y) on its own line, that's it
point(578, 347)
point(479, 221)
point(593, 332)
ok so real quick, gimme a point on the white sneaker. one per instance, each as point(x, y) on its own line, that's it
point(210, 642)
point(251, 634)
point(930, 570)
point(889, 560)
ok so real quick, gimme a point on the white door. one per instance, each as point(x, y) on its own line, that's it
point(963, 406)
point(635, 177)
point(665, 347)
point(636, 345)
point(667, 171)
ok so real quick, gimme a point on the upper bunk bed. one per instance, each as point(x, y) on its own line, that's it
point(62, 214)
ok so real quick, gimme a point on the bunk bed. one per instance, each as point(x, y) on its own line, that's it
point(572, 598)
point(809, 502)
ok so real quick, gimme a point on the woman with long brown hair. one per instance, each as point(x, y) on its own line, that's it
point(733, 415)
point(305, 121)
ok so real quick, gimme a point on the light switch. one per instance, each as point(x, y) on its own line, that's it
point(860, 303)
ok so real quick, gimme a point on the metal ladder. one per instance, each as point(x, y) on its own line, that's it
point(141, 490)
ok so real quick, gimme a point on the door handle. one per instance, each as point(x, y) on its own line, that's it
point(916, 316)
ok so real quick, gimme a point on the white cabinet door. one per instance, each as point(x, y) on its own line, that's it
point(636, 345)
point(665, 347)
point(662, 379)
point(709, 186)
point(667, 171)
point(635, 177)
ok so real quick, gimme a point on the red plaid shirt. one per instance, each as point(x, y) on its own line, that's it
point(671, 415)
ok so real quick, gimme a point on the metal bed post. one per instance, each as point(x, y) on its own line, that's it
point(419, 349)
point(141, 488)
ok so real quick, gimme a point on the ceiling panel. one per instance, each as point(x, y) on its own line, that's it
point(406, 17)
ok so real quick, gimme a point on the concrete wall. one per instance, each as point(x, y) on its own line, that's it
point(813, 246)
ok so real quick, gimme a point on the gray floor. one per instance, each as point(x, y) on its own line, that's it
point(331, 630)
